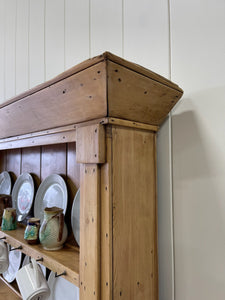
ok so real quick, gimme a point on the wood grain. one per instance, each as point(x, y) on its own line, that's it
point(91, 144)
point(133, 96)
point(106, 220)
point(7, 291)
point(53, 160)
point(75, 99)
point(89, 232)
point(66, 259)
point(134, 218)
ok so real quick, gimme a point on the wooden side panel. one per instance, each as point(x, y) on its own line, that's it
point(135, 97)
point(75, 99)
point(134, 215)
point(89, 232)
point(91, 144)
point(106, 220)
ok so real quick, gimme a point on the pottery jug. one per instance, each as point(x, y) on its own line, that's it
point(5, 201)
point(9, 219)
point(53, 231)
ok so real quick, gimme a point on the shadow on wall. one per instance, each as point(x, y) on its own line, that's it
point(198, 197)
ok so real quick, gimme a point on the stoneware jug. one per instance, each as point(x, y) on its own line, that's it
point(5, 201)
point(4, 257)
point(53, 231)
point(9, 219)
point(31, 282)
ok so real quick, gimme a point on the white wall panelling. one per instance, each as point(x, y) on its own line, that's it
point(76, 32)
point(39, 39)
point(106, 26)
point(36, 42)
point(10, 48)
point(198, 62)
point(54, 37)
point(146, 34)
point(22, 44)
point(2, 50)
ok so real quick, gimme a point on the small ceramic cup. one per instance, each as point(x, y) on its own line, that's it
point(31, 234)
point(32, 283)
point(9, 219)
point(4, 257)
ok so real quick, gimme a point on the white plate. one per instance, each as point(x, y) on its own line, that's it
point(14, 265)
point(22, 195)
point(62, 289)
point(75, 217)
point(26, 261)
point(5, 183)
point(51, 192)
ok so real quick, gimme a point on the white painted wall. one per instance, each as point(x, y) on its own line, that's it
point(180, 39)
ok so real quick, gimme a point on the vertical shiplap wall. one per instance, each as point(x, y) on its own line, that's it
point(198, 135)
point(183, 41)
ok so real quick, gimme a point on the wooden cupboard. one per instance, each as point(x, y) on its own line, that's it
point(96, 125)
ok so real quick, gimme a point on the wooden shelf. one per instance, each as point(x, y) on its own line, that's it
point(66, 259)
point(4, 290)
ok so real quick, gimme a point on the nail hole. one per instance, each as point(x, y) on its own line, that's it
point(81, 84)
point(64, 91)
point(106, 188)
point(120, 293)
point(94, 78)
point(106, 235)
point(116, 70)
point(92, 220)
point(119, 79)
point(96, 130)
point(145, 92)
point(95, 155)
point(90, 97)
point(99, 72)
point(107, 284)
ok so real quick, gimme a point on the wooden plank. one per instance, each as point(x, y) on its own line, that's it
point(33, 141)
point(89, 232)
point(78, 98)
point(91, 62)
point(141, 70)
point(134, 214)
point(53, 160)
point(13, 163)
point(133, 96)
point(91, 144)
point(132, 124)
point(106, 220)
point(72, 71)
point(65, 259)
point(3, 160)
point(7, 291)
point(31, 163)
